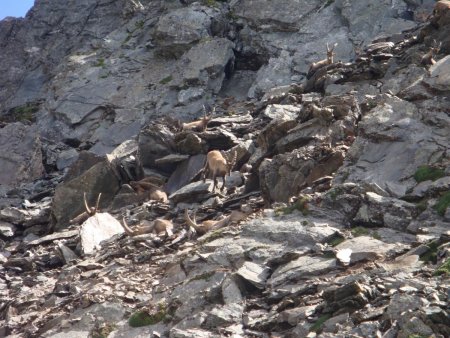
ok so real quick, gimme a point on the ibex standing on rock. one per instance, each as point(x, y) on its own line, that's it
point(218, 166)
point(319, 64)
point(428, 58)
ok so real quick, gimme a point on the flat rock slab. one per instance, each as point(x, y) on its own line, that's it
point(193, 192)
point(96, 229)
point(294, 229)
point(365, 248)
point(185, 172)
point(304, 267)
point(254, 273)
point(55, 236)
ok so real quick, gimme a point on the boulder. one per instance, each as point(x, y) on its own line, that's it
point(286, 174)
point(100, 227)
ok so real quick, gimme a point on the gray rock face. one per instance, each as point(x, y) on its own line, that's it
point(21, 156)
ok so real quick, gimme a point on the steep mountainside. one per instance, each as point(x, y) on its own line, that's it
point(332, 218)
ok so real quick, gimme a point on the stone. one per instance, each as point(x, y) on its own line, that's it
point(439, 78)
point(154, 142)
point(96, 229)
point(296, 315)
point(185, 173)
point(66, 158)
point(332, 324)
point(206, 63)
point(366, 248)
point(193, 192)
point(254, 273)
point(302, 268)
point(68, 201)
point(7, 229)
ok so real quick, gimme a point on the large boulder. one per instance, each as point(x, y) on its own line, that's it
point(287, 174)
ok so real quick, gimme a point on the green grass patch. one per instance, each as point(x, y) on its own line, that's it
point(317, 326)
point(360, 231)
point(336, 239)
point(444, 269)
point(100, 63)
point(103, 331)
point(166, 80)
point(443, 203)
point(144, 317)
point(24, 113)
point(425, 173)
point(204, 276)
point(301, 205)
point(139, 24)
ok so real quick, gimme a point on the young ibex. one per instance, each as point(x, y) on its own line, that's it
point(208, 225)
point(199, 125)
point(218, 166)
point(90, 211)
point(157, 227)
point(428, 58)
point(319, 64)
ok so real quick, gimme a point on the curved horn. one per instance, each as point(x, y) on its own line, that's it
point(126, 227)
point(86, 205)
point(98, 202)
point(189, 221)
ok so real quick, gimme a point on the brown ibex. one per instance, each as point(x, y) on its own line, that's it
point(157, 227)
point(218, 166)
point(208, 225)
point(154, 192)
point(90, 211)
point(428, 58)
point(319, 64)
point(199, 125)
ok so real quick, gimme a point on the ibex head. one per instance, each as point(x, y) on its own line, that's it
point(331, 53)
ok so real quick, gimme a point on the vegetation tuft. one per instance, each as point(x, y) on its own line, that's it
point(166, 80)
point(144, 318)
point(443, 203)
point(359, 231)
point(24, 113)
point(444, 269)
point(317, 326)
point(301, 205)
point(425, 173)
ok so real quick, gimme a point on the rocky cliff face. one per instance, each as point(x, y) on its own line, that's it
point(333, 221)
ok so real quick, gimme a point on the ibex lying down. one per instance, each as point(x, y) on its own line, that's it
point(199, 125)
point(206, 226)
point(157, 227)
point(154, 192)
point(319, 64)
point(90, 211)
point(428, 58)
point(218, 166)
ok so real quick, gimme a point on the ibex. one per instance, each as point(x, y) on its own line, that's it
point(90, 211)
point(199, 125)
point(206, 226)
point(157, 227)
point(319, 64)
point(428, 58)
point(154, 192)
point(218, 166)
